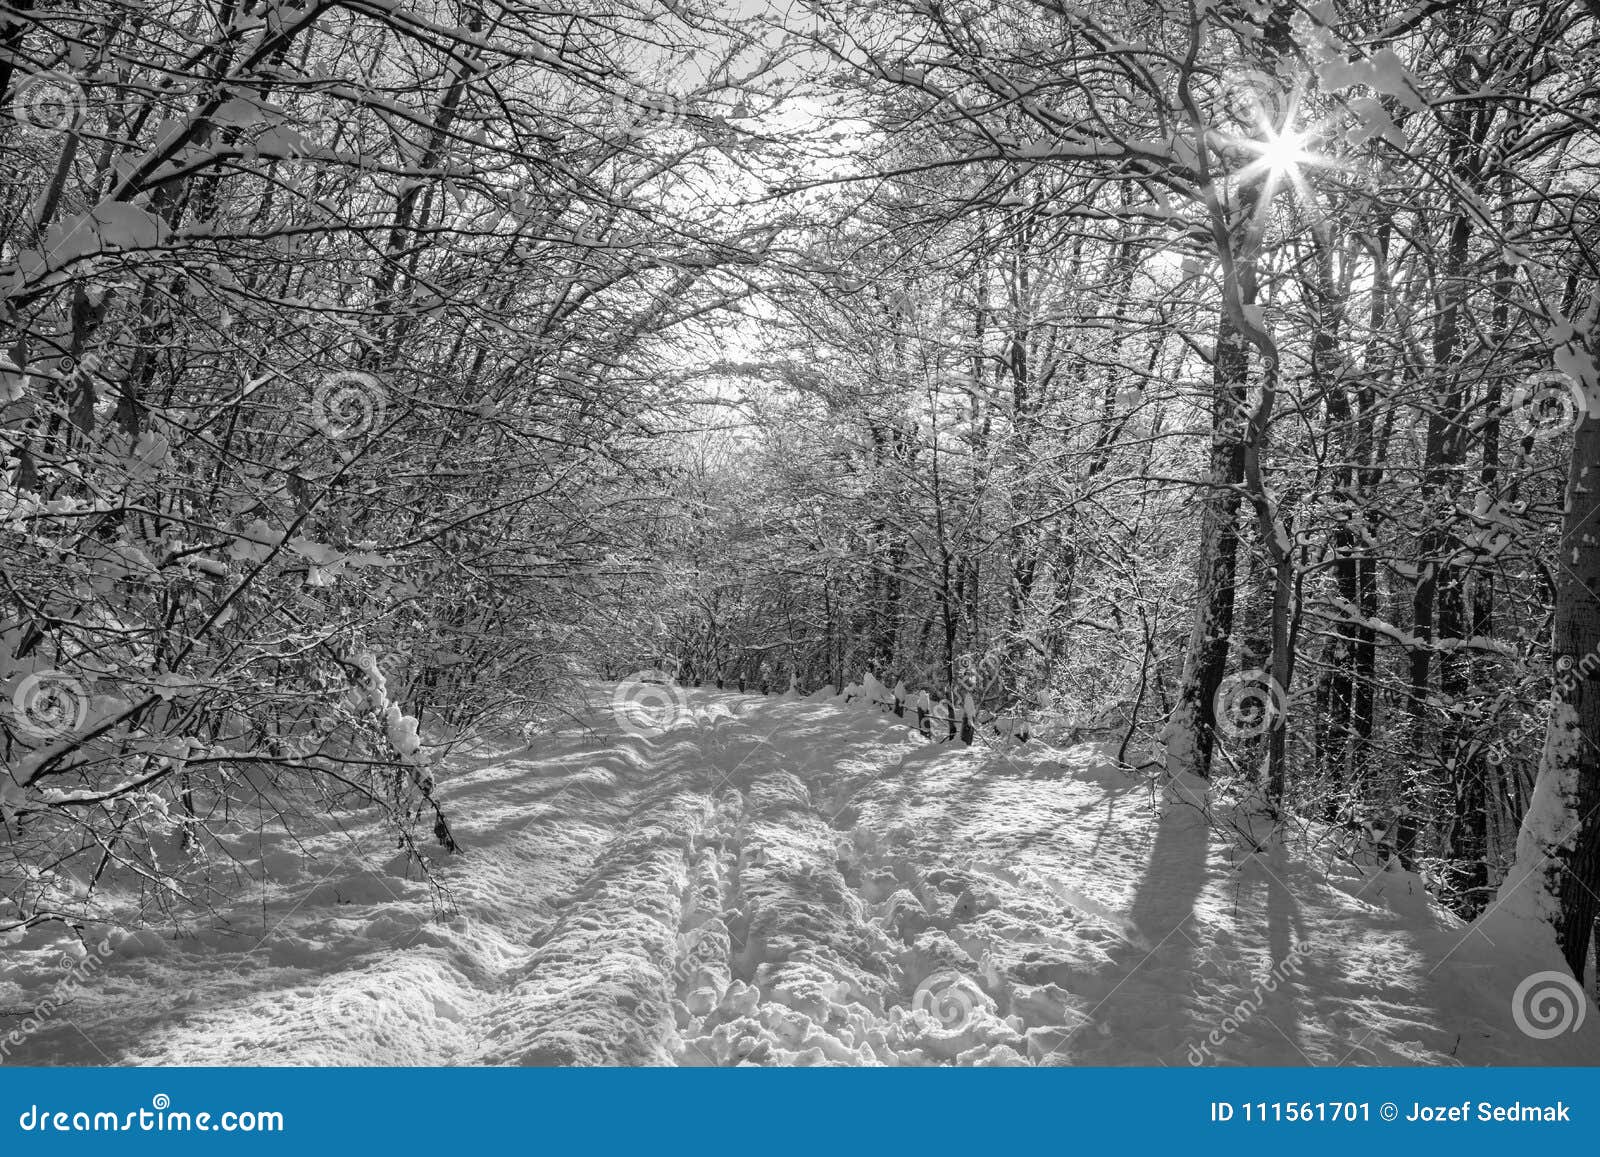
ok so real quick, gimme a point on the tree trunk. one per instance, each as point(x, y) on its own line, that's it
point(1191, 733)
point(1557, 871)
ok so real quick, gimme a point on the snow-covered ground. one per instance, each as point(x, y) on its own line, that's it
point(782, 881)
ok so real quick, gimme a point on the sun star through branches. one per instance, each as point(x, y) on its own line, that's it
point(1283, 153)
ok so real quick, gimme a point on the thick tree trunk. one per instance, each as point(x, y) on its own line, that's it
point(1368, 455)
point(1236, 232)
point(1557, 871)
point(1191, 732)
point(1502, 795)
point(1438, 606)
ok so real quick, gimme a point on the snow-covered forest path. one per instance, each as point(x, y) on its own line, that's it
point(803, 881)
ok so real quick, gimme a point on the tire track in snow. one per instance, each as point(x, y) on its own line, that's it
point(595, 988)
point(840, 942)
